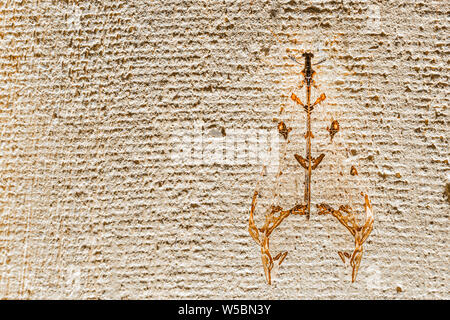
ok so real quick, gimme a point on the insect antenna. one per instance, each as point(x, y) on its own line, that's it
point(293, 59)
point(321, 61)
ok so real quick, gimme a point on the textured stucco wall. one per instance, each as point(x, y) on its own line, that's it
point(98, 200)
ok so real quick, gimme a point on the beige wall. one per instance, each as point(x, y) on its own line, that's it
point(97, 199)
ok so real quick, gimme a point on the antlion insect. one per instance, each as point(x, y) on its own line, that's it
point(275, 214)
point(348, 219)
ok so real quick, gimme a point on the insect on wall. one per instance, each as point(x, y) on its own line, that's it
point(273, 195)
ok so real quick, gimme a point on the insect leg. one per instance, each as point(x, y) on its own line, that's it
point(252, 229)
point(355, 262)
point(283, 256)
point(341, 254)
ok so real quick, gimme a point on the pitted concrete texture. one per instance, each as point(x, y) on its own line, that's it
point(98, 199)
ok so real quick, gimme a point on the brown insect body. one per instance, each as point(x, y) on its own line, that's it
point(308, 163)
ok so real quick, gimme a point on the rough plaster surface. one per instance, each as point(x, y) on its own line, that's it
point(96, 201)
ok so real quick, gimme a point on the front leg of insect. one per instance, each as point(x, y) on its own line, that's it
point(297, 100)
